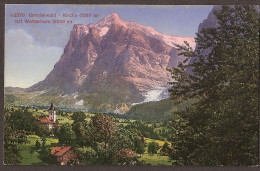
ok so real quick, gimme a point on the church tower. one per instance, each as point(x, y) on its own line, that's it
point(52, 113)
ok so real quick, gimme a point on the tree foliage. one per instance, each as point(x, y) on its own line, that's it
point(153, 147)
point(107, 139)
point(11, 141)
point(78, 116)
point(12, 138)
point(79, 127)
point(23, 120)
point(139, 146)
point(221, 126)
point(66, 135)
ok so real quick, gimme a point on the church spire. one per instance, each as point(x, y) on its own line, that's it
point(52, 113)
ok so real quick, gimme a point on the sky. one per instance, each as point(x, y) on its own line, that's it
point(31, 50)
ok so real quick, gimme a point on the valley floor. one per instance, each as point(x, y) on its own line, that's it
point(29, 158)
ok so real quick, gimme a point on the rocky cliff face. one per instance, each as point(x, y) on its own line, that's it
point(210, 21)
point(113, 64)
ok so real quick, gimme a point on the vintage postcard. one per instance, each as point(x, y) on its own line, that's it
point(131, 85)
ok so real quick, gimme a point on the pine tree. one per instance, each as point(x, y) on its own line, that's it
point(221, 126)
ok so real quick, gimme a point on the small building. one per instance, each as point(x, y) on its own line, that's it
point(166, 151)
point(50, 121)
point(46, 122)
point(65, 155)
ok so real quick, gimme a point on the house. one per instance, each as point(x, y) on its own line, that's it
point(65, 155)
point(166, 151)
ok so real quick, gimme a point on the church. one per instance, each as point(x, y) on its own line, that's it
point(50, 121)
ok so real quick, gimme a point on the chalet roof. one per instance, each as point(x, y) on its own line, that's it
point(59, 151)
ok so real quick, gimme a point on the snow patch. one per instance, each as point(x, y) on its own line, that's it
point(103, 31)
point(157, 94)
point(42, 92)
point(75, 95)
point(79, 102)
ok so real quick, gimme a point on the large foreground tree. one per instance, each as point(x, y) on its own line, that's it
point(106, 140)
point(221, 126)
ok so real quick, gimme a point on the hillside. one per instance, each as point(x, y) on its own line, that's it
point(156, 111)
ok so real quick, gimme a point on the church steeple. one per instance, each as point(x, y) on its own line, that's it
point(52, 113)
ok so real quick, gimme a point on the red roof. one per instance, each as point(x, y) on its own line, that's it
point(59, 151)
point(46, 120)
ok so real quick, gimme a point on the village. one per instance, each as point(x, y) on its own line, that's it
point(60, 149)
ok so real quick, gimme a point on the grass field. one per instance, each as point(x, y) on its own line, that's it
point(64, 119)
point(148, 140)
point(156, 159)
point(33, 159)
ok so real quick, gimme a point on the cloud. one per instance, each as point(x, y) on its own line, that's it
point(26, 62)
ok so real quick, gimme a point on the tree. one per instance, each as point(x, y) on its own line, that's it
point(165, 145)
point(46, 156)
point(78, 116)
point(108, 141)
point(12, 138)
point(166, 150)
point(37, 144)
point(66, 135)
point(43, 140)
point(11, 152)
point(139, 146)
point(24, 120)
point(153, 147)
point(221, 126)
point(32, 150)
point(79, 127)
point(121, 147)
point(101, 132)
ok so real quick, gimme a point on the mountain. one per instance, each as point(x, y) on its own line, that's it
point(210, 21)
point(110, 65)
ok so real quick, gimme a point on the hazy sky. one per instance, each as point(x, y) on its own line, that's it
point(31, 50)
